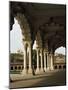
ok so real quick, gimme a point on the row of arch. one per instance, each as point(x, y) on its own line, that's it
point(20, 67)
point(27, 41)
point(60, 67)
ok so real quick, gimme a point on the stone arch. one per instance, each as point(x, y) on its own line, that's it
point(15, 68)
point(16, 38)
point(19, 67)
point(23, 10)
point(38, 39)
point(39, 50)
point(27, 41)
point(55, 66)
point(11, 67)
point(60, 66)
point(64, 66)
point(60, 57)
point(24, 26)
point(61, 47)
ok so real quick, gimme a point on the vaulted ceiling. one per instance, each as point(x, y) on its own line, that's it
point(49, 19)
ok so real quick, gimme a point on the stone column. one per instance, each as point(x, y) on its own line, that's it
point(52, 67)
point(41, 61)
point(44, 61)
point(62, 67)
point(13, 67)
point(48, 61)
point(17, 67)
point(57, 66)
point(21, 67)
point(30, 59)
point(25, 59)
point(37, 70)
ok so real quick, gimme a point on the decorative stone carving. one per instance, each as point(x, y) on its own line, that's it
point(39, 48)
point(24, 26)
point(26, 40)
point(38, 40)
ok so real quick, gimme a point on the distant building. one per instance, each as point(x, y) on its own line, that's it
point(17, 60)
point(59, 61)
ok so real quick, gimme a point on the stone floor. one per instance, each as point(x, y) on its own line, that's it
point(52, 78)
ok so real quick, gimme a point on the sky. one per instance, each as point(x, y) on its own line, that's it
point(16, 42)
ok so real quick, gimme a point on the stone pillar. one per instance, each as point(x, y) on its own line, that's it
point(25, 60)
point(13, 67)
point(17, 67)
point(52, 67)
point(30, 59)
point(42, 70)
point(62, 66)
point(57, 66)
point(44, 61)
point(48, 66)
point(21, 67)
point(37, 70)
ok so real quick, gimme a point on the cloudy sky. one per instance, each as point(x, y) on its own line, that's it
point(16, 42)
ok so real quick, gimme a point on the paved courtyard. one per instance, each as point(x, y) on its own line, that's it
point(52, 78)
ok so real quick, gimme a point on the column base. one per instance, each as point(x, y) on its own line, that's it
point(48, 68)
point(37, 71)
point(41, 70)
point(30, 71)
point(52, 68)
point(24, 72)
point(45, 69)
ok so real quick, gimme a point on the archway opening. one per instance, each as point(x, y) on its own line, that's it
point(60, 50)
point(16, 47)
point(60, 59)
point(11, 67)
point(59, 66)
point(55, 67)
point(64, 66)
point(16, 43)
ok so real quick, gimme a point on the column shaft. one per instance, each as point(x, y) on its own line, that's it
point(37, 70)
point(48, 61)
point(42, 61)
point(25, 57)
point(25, 60)
point(45, 61)
point(37, 58)
point(52, 62)
point(30, 59)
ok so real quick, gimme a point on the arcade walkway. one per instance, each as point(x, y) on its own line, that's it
point(52, 78)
